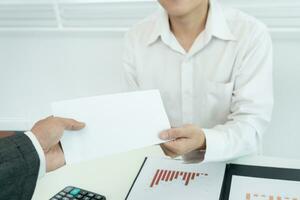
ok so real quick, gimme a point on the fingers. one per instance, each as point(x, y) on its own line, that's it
point(176, 146)
point(174, 133)
point(167, 152)
point(71, 124)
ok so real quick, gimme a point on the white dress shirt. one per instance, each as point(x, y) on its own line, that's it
point(40, 152)
point(222, 84)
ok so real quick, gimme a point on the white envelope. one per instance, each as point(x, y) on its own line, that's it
point(114, 123)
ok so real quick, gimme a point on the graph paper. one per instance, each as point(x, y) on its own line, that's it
point(166, 179)
point(252, 188)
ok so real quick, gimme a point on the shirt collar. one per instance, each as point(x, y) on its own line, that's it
point(161, 27)
point(216, 25)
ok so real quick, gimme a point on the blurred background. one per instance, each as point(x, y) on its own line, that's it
point(60, 49)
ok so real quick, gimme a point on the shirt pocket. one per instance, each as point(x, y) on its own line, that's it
point(217, 102)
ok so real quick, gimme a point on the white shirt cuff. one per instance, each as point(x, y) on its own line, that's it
point(36, 144)
point(215, 145)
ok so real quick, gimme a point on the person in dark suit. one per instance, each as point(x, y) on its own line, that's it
point(24, 157)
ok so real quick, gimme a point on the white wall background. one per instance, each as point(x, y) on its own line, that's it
point(74, 49)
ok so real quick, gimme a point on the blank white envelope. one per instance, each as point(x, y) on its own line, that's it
point(114, 123)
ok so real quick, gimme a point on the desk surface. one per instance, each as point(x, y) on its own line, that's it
point(112, 176)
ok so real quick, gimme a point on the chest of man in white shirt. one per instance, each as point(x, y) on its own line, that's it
point(222, 84)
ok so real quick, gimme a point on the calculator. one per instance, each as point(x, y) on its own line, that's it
point(75, 193)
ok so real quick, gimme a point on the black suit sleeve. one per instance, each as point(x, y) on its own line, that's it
point(19, 166)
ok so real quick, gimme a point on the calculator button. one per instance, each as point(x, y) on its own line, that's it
point(69, 196)
point(53, 198)
point(58, 196)
point(65, 198)
point(90, 195)
point(62, 193)
point(75, 191)
point(98, 197)
point(86, 198)
point(68, 189)
point(83, 192)
point(79, 196)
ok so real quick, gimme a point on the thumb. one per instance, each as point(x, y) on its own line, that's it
point(172, 134)
point(71, 124)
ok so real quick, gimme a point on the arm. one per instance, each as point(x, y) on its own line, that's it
point(251, 106)
point(21, 155)
point(19, 167)
point(251, 110)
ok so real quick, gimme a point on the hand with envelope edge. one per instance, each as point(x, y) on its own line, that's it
point(183, 140)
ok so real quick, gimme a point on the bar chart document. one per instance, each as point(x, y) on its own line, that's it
point(252, 188)
point(169, 179)
point(114, 123)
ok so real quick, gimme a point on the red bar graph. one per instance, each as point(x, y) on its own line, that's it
point(171, 175)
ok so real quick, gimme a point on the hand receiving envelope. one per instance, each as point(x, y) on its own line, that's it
point(114, 123)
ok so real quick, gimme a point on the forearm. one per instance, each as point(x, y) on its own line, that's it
point(241, 135)
point(19, 165)
point(230, 141)
point(37, 146)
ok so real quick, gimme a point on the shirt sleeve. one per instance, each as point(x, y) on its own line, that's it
point(36, 144)
point(251, 106)
point(129, 64)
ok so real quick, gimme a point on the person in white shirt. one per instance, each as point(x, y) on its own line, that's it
point(213, 67)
